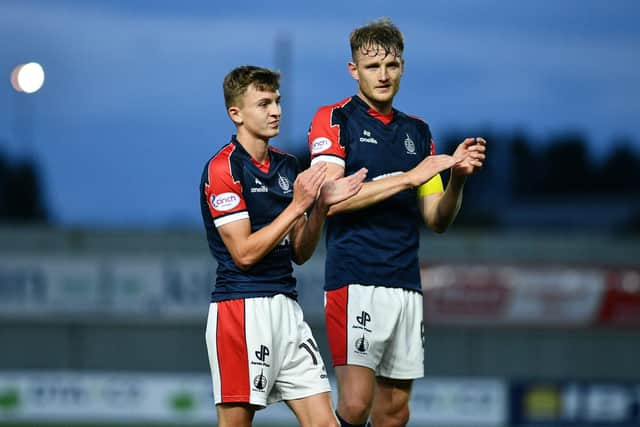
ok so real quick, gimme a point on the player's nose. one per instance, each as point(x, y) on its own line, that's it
point(383, 74)
point(275, 110)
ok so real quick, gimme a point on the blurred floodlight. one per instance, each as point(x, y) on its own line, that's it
point(27, 77)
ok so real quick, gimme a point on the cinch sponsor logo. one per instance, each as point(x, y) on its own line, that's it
point(225, 201)
point(320, 144)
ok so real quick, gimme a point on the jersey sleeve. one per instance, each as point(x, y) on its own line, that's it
point(224, 194)
point(324, 138)
point(434, 185)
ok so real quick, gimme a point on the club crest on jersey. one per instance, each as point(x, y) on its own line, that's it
point(320, 144)
point(283, 182)
point(224, 202)
point(409, 145)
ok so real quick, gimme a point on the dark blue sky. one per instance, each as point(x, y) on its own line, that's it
point(132, 103)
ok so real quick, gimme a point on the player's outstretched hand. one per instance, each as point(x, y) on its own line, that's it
point(336, 190)
point(431, 166)
point(472, 151)
point(307, 185)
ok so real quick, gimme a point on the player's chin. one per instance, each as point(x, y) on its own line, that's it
point(270, 132)
point(384, 96)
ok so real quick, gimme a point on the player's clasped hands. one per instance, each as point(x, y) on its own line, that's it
point(472, 151)
point(307, 185)
point(336, 190)
point(431, 166)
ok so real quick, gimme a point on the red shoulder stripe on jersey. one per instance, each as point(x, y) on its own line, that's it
point(222, 161)
point(335, 313)
point(233, 356)
point(323, 137)
point(223, 191)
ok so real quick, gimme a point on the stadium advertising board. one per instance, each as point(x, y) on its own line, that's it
point(511, 295)
point(155, 287)
point(459, 402)
point(148, 287)
point(621, 304)
point(105, 287)
point(115, 397)
point(187, 399)
point(575, 403)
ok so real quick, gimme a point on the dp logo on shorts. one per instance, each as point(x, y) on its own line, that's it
point(363, 318)
point(262, 353)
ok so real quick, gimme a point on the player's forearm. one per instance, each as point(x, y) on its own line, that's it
point(444, 212)
point(373, 192)
point(263, 241)
point(306, 240)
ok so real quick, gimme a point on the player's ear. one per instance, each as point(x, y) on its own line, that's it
point(353, 69)
point(235, 115)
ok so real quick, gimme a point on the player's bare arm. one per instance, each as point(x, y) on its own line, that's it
point(440, 210)
point(306, 233)
point(373, 192)
point(248, 248)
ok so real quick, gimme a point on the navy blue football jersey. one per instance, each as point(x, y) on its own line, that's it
point(377, 245)
point(234, 187)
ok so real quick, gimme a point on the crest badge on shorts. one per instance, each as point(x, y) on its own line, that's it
point(362, 345)
point(260, 381)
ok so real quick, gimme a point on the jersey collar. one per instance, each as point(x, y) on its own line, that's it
point(383, 118)
point(262, 167)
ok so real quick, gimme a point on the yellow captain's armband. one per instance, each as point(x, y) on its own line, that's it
point(434, 185)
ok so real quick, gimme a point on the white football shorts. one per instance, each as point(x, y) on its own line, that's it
point(377, 327)
point(262, 351)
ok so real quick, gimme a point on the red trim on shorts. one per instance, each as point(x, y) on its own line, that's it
point(232, 352)
point(336, 320)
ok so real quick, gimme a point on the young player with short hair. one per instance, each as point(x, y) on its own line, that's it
point(254, 205)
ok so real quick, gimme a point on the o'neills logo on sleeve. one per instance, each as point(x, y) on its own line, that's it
point(320, 144)
point(224, 202)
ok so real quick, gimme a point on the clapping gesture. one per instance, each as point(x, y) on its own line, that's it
point(472, 151)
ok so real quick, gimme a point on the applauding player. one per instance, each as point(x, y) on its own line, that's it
point(254, 205)
point(373, 303)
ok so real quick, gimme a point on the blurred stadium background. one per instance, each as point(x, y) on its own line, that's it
point(532, 299)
